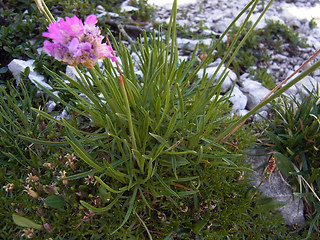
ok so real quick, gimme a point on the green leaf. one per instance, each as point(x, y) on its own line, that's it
point(106, 186)
point(145, 226)
point(38, 141)
point(84, 155)
point(315, 175)
point(283, 163)
point(300, 195)
point(55, 201)
point(160, 139)
point(200, 155)
point(104, 194)
point(180, 153)
point(117, 175)
point(80, 175)
point(187, 193)
point(131, 204)
point(9, 50)
point(268, 204)
point(159, 151)
point(185, 179)
point(197, 227)
point(166, 186)
point(313, 225)
point(103, 209)
point(3, 70)
point(25, 222)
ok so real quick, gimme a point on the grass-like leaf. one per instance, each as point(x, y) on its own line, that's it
point(130, 209)
point(103, 209)
point(166, 186)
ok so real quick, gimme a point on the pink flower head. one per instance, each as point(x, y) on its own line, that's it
point(75, 43)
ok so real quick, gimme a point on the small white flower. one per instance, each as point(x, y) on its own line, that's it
point(32, 178)
point(28, 233)
point(90, 179)
point(31, 192)
point(8, 187)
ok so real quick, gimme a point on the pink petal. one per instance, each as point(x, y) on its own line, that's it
point(72, 26)
point(106, 51)
point(54, 32)
point(74, 47)
point(91, 20)
point(85, 46)
point(49, 47)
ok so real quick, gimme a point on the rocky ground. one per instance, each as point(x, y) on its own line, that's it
point(214, 16)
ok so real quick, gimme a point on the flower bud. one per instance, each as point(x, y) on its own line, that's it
point(48, 227)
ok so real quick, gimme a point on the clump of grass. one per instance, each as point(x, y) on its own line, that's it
point(293, 135)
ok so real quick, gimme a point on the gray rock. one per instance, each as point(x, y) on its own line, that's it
point(276, 188)
point(228, 81)
point(312, 41)
point(72, 73)
point(190, 44)
point(307, 84)
point(238, 99)
point(259, 117)
point(217, 15)
point(50, 106)
point(182, 22)
point(16, 66)
point(208, 32)
point(255, 92)
point(222, 26)
point(64, 114)
point(215, 63)
point(125, 7)
point(241, 112)
point(226, 84)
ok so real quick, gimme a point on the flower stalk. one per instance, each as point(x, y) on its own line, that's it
point(270, 168)
point(128, 112)
point(44, 10)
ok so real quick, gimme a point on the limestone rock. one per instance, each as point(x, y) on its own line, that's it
point(238, 99)
point(255, 92)
point(276, 188)
point(228, 81)
point(16, 66)
point(307, 84)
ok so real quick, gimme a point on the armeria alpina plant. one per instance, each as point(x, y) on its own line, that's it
point(152, 143)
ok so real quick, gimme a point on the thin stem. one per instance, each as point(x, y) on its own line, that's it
point(257, 188)
point(312, 190)
point(45, 10)
point(294, 73)
point(128, 112)
point(119, 69)
point(306, 182)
